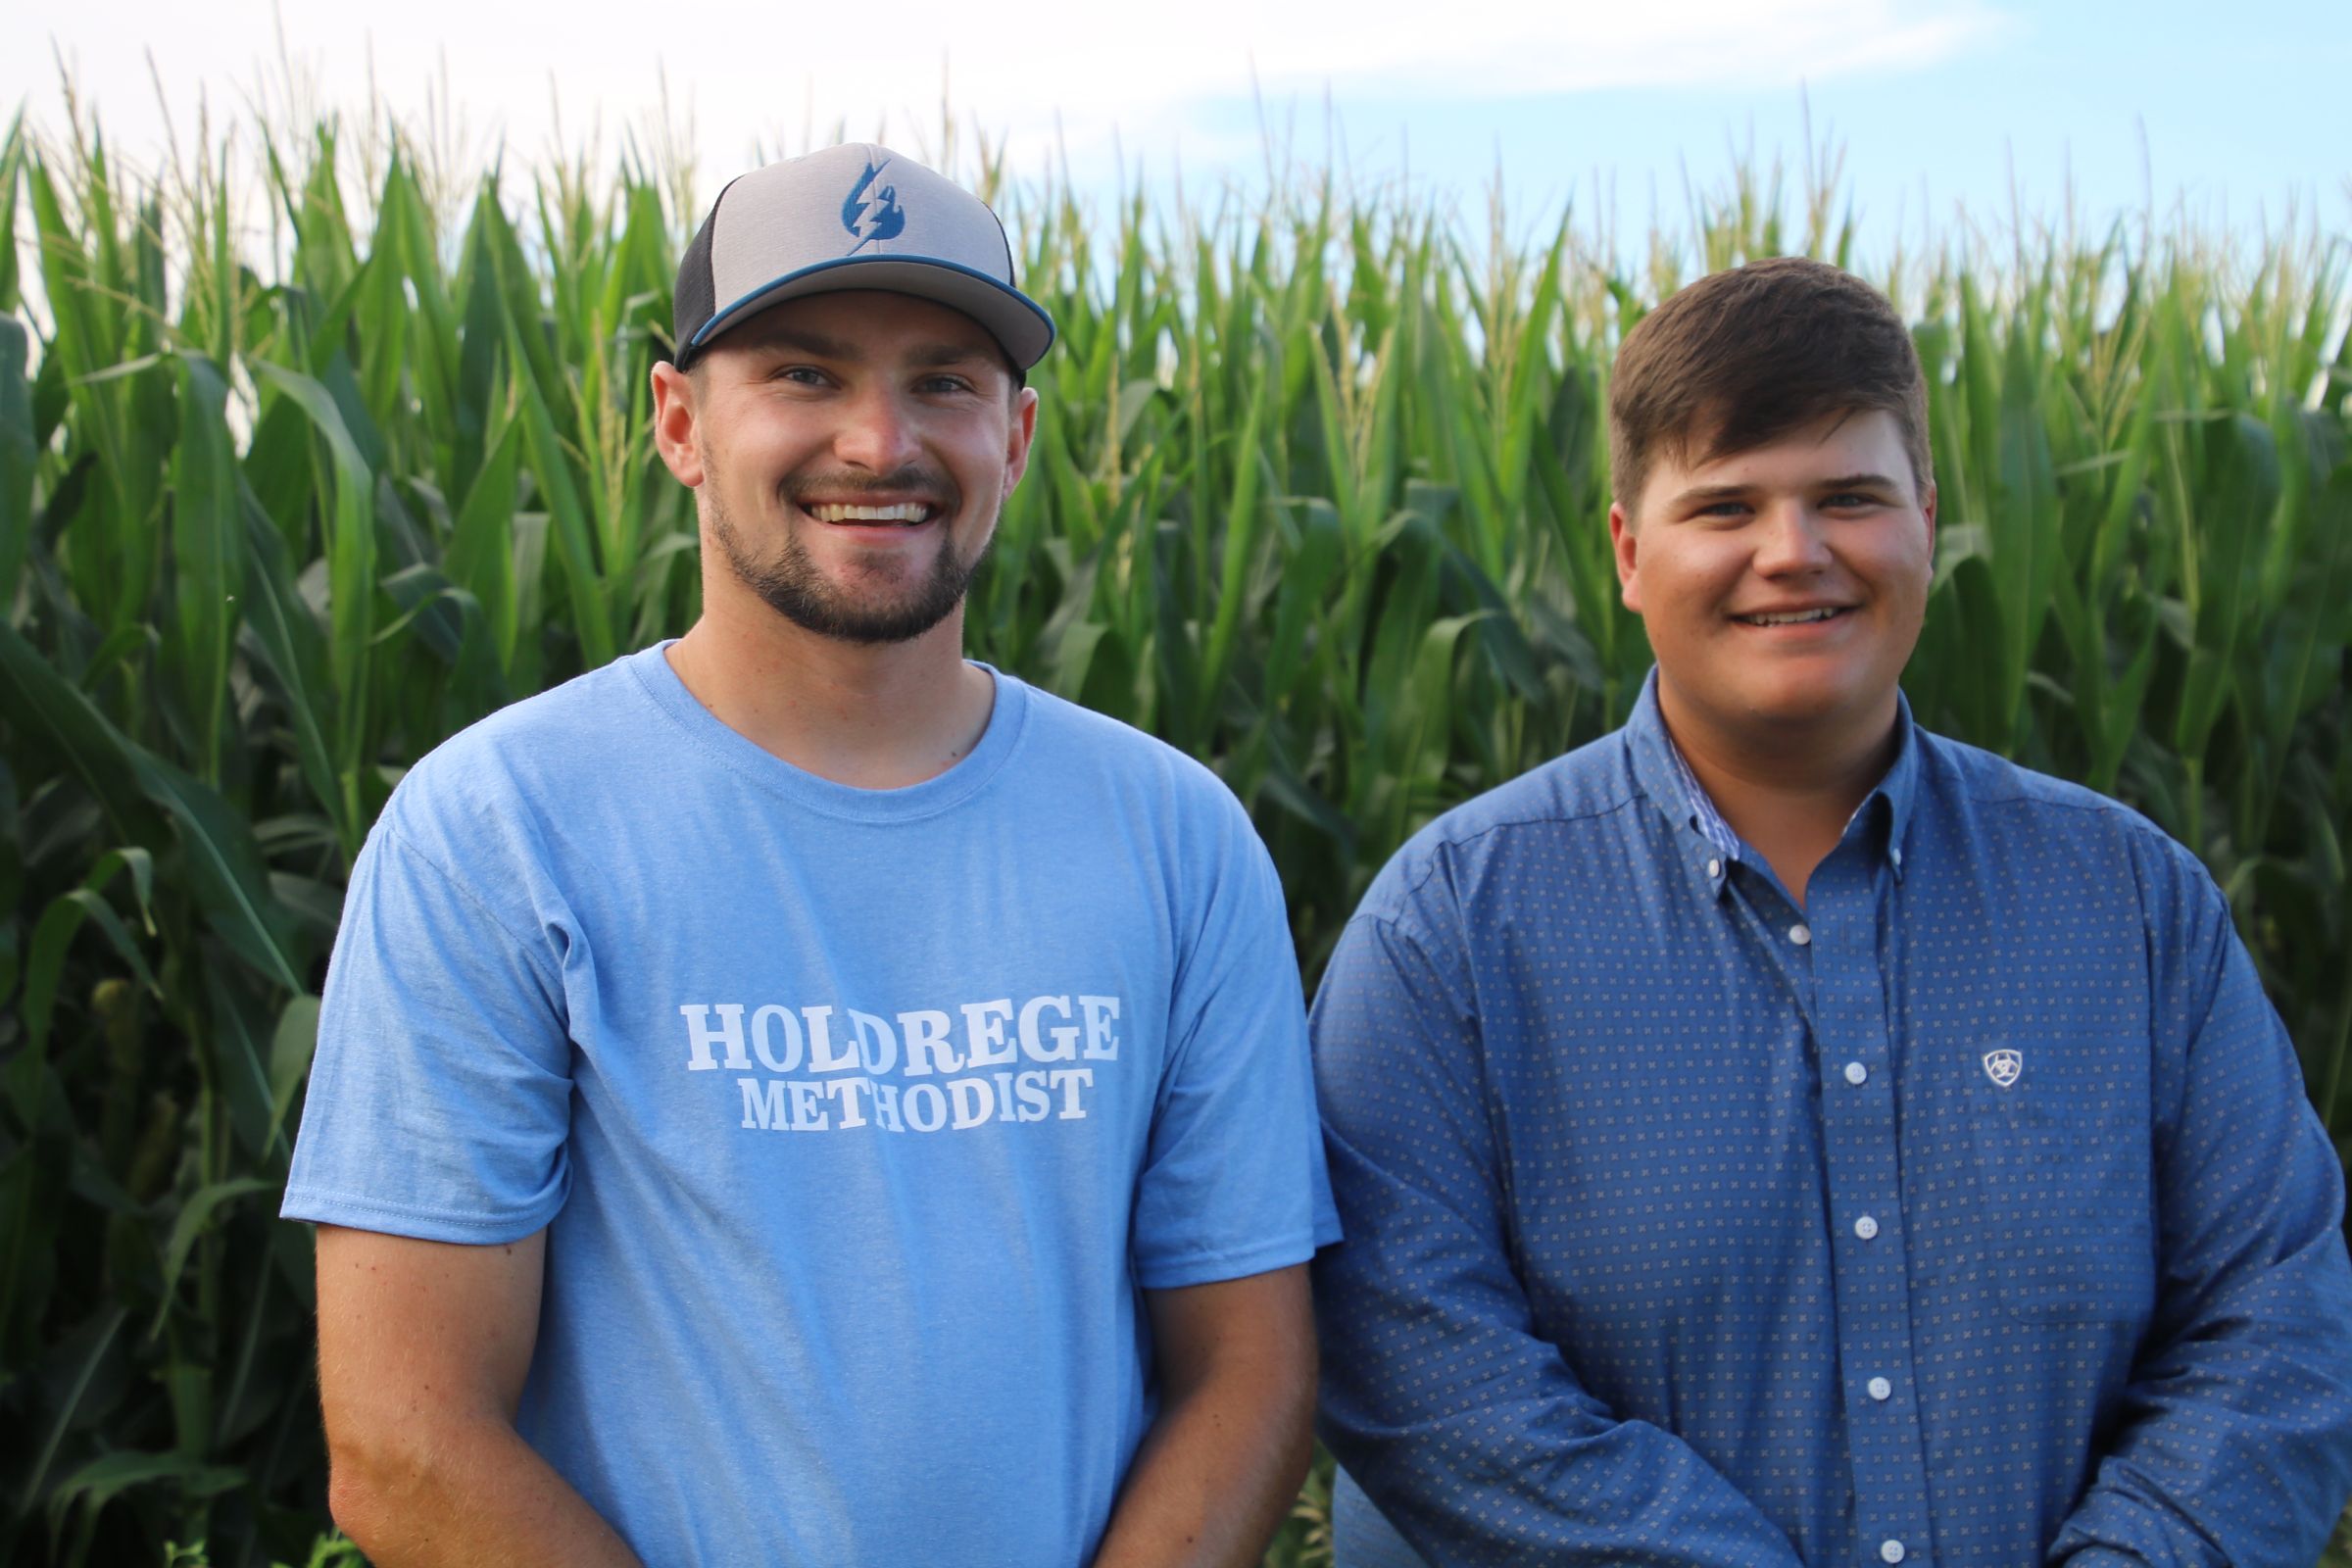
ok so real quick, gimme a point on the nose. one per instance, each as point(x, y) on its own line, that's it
point(877, 433)
point(1791, 540)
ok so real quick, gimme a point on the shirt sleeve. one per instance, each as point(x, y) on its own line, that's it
point(440, 1097)
point(2236, 1439)
point(1468, 1429)
point(1233, 1181)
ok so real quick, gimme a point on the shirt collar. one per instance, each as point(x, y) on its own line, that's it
point(1664, 774)
point(1900, 785)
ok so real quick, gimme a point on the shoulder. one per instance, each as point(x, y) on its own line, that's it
point(1576, 806)
point(499, 776)
point(1985, 782)
point(1072, 731)
point(1160, 823)
point(2033, 817)
point(1082, 752)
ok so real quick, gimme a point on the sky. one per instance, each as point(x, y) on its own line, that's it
point(1935, 106)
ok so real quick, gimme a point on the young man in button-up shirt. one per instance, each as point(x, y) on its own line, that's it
point(1776, 1134)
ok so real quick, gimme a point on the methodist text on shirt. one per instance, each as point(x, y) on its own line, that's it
point(924, 1070)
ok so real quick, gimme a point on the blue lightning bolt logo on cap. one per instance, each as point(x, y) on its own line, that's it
point(879, 219)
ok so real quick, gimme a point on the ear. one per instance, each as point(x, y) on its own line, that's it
point(674, 416)
point(1624, 544)
point(1020, 434)
point(1926, 507)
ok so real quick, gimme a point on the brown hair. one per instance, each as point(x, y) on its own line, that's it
point(1742, 357)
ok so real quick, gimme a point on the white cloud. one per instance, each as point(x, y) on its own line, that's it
point(780, 75)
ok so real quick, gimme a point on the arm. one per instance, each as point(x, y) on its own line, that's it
point(422, 1347)
point(1220, 1464)
point(1229, 1203)
point(1464, 1424)
point(2236, 1435)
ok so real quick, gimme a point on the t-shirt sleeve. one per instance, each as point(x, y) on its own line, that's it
point(440, 1097)
point(1233, 1181)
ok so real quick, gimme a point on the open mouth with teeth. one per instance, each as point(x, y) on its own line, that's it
point(900, 514)
point(1795, 617)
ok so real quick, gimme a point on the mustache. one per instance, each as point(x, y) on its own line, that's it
point(914, 478)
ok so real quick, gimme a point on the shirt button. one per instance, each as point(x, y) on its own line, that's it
point(1714, 869)
point(1898, 855)
point(1881, 1389)
point(1866, 1227)
point(1801, 934)
point(1857, 1074)
point(1890, 1551)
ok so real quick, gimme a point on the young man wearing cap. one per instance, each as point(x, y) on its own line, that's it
point(1775, 1134)
point(794, 1095)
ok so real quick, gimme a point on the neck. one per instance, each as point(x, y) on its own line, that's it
point(872, 715)
point(1786, 789)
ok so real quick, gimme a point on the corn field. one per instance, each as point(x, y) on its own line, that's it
point(313, 453)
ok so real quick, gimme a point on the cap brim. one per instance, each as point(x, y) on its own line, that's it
point(1015, 320)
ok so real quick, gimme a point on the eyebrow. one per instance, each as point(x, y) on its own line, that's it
point(801, 340)
point(941, 354)
point(1733, 492)
point(819, 345)
point(1712, 492)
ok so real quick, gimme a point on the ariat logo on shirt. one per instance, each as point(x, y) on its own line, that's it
point(2002, 1066)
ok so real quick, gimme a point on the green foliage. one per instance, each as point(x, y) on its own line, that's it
point(330, 1550)
point(1317, 496)
point(2338, 1553)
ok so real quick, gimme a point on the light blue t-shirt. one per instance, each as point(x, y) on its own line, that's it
point(858, 1118)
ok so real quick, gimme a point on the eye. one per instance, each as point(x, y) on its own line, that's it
point(944, 384)
point(1852, 501)
point(797, 375)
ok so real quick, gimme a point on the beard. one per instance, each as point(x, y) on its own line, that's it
point(791, 585)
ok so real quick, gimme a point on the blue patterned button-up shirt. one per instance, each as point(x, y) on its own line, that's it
point(1971, 1215)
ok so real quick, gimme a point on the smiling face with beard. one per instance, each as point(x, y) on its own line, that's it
point(856, 450)
point(881, 604)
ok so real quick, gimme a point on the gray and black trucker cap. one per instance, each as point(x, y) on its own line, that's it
point(852, 217)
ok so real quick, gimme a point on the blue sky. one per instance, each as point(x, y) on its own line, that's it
point(2237, 110)
point(2240, 123)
